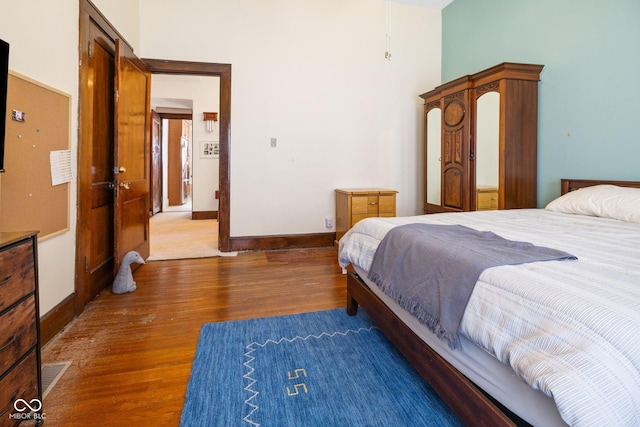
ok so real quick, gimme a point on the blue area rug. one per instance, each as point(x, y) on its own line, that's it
point(314, 369)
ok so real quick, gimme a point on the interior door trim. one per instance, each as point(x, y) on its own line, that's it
point(223, 71)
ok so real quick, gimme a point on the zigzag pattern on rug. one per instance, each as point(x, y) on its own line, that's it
point(250, 358)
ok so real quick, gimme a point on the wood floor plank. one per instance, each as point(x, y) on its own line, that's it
point(131, 354)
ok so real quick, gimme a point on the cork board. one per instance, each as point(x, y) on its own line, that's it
point(29, 200)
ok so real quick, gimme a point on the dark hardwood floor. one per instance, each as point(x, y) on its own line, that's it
point(131, 354)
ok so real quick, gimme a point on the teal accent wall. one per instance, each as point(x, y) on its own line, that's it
point(589, 98)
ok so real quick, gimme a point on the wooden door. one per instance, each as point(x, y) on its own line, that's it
point(132, 129)
point(94, 242)
point(156, 163)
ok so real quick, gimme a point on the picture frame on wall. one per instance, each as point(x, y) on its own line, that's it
point(209, 149)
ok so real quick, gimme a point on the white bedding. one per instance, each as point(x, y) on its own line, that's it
point(570, 329)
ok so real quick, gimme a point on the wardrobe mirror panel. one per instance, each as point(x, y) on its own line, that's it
point(487, 139)
point(434, 148)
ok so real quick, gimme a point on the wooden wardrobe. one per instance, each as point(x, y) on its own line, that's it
point(481, 136)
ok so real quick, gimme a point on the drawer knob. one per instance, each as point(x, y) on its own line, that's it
point(6, 280)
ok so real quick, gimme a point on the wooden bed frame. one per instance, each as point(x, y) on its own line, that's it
point(567, 185)
point(469, 403)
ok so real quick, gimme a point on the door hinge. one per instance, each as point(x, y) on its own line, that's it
point(86, 264)
point(90, 49)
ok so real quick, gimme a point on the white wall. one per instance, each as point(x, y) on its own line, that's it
point(313, 75)
point(124, 15)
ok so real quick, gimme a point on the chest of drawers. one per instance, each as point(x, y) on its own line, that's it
point(355, 204)
point(20, 376)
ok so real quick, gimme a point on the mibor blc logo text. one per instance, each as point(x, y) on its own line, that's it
point(27, 410)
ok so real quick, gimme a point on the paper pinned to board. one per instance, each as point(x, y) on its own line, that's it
point(60, 167)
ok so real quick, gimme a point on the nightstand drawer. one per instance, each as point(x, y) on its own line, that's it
point(360, 205)
point(16, 274)
point(387, 204)
point(18, 334)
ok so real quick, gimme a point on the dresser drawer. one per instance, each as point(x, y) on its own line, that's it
point(19, 383)
point(17, 277)
point(18, 334)
point(360, 208)
point(360, 205)
point(387, 205)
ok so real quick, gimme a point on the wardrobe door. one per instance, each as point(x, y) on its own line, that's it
point(486, 151)
point(505, 134)
point(433, 157)
point(456, 174)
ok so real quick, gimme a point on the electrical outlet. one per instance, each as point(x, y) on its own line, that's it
point(328, 222)
point(274, 142)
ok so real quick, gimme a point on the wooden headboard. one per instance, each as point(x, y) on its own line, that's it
point(567, 185)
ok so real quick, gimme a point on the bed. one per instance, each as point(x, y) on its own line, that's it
point(493, 381)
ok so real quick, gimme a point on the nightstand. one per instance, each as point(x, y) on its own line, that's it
point(486, 198)
point(354, 204)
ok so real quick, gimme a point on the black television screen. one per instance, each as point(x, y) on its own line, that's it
point(4, 75)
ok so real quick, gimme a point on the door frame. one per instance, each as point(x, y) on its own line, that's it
point(223, 71)
point(170, 116)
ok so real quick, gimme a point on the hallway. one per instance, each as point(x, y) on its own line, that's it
point(174, 235)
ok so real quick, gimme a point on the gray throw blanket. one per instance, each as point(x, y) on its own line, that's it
point(430, 270)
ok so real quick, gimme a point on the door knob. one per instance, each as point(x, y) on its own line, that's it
point(125, 184)
point(122, 169)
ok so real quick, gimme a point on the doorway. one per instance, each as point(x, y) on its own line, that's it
point(223, 71)
point(189, 171)
point(176, 230)
point(177, 149)
point(174, 192)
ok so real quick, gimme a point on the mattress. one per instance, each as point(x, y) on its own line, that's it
point(568, 330)
point(484, 370)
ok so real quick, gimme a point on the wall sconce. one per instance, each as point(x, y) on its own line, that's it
point(211, 119)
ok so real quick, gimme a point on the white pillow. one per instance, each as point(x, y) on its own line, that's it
point(607, 201)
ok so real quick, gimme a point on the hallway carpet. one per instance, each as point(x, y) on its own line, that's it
point(174, 235)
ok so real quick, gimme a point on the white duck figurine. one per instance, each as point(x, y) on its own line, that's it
point(123, 282)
